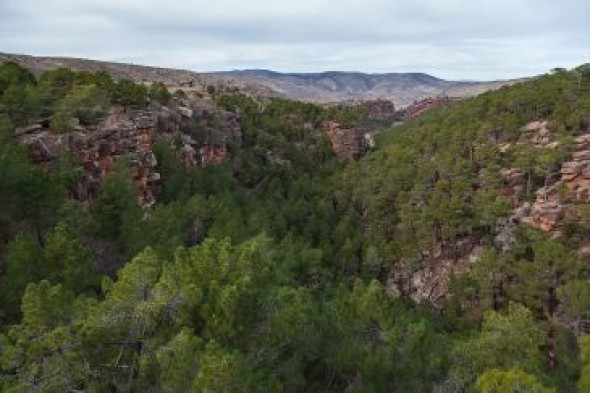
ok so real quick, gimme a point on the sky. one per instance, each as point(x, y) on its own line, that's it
point(452, 39)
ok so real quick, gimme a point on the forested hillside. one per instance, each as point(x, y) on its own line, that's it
point(266, 263)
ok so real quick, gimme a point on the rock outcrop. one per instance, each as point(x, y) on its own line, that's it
point(554, 203)
point(546, 212)
point(514, 184)
point(347, 144)
point(575, 174)
point(430, 281)
point(419, 107)
point(539, 134)
point(546, 215)
point(129, 135)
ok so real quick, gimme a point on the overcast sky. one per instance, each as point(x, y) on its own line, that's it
point(454, 39)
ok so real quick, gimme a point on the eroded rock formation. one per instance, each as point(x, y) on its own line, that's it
point(129, 135)
point(419, 107)
point(346, 143)
point(427, 279)
point(539, 134)
point(554, 203)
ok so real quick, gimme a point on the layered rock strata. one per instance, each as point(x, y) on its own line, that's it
point(128, 136)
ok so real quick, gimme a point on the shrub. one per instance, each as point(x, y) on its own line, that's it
point(129, 93)
point(86, 103)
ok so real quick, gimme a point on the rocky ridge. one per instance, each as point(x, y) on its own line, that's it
point(188, 81)
point(401, 88)
point(199, 131)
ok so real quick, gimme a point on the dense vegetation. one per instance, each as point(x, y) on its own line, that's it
point(267, 273)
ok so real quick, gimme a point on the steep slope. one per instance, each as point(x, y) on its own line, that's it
point(281, 264)
point(464, 179)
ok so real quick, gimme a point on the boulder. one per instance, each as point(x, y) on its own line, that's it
point(30, 129)
point(514, 178)
point(44, 147)
point(186, 112)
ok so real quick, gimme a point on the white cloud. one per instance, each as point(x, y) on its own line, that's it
point(476, 39)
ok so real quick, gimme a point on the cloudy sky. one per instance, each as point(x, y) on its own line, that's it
point(454, 39)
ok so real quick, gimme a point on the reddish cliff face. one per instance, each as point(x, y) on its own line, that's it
point(553, 206)
point(348, 144)
point(575, 174)
point(419, 107)
point(129, 135)
point(554, 203)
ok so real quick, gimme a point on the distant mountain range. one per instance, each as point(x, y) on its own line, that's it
point(333, 86)
point(401, 88)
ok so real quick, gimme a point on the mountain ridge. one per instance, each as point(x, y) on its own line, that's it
point(319, 87)
point(334, 86)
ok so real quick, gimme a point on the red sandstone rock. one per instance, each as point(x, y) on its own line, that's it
point(131, 134)
point(419, 107)
point(553, 204)
point(349, 144)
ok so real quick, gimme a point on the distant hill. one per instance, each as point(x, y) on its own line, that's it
point(401, 88)
point(333, 86)
point(137, 73)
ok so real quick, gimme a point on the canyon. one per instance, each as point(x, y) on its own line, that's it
point(202, 133)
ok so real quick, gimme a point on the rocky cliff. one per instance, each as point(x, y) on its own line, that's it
point(349, 144)
point(554, 205)
point(419, 107)
point(427, 279)
point(556, 202)
point(198, 130)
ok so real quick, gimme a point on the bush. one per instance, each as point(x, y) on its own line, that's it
point(159, 92)
point(12, 73)
point(57, 83)
point(86, 103)
point(129, 93)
